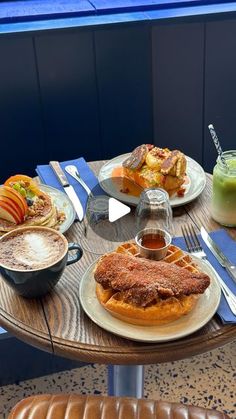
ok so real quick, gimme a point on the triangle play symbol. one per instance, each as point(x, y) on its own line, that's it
point(117, 209)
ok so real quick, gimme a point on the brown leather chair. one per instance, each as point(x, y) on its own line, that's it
point(65, 406)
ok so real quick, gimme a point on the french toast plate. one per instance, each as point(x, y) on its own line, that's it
point(63, 203)
point(200, 315)
point(195, 182)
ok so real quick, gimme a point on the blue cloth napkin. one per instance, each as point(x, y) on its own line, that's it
point(48, 177)
point(228, 247)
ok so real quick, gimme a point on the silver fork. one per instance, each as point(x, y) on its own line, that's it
point(194, 247)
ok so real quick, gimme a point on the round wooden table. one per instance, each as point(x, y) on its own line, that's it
point(56, 323)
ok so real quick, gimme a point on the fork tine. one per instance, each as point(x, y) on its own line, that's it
point(198, 244)
point(189, 238)
point(186, 238)
point(194, 237)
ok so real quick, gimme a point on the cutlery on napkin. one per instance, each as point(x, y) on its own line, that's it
point(47, 176)
point(219, 255)
point(229, 246)
point(68, 189)
point(73, 171)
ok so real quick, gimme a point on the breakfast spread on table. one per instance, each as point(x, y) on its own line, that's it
point(146, 292)
point(150, 166)
point(147, 282)
point(23, 203)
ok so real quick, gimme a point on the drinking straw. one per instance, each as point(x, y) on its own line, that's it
point(217, 144)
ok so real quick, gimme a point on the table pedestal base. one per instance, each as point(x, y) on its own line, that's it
point(126, 380)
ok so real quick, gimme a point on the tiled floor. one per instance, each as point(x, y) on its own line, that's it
point(207, 380)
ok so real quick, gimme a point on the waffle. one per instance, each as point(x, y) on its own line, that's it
point(129, 248)
point(161, 310)
point(174, 255)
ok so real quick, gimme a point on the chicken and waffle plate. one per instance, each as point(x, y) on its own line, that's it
point(146, 292)
point(149, 301)
point(23, 203)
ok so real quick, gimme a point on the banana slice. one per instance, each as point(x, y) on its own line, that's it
point(156, 156)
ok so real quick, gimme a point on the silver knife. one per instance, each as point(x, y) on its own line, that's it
point(69, 190)
point(222, 259)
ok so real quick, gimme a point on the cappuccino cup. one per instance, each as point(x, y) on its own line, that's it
point(32, 259)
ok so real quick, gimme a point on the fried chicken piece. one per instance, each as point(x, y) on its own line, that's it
point(141, 280)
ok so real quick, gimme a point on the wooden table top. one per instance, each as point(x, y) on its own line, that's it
point(56, 323)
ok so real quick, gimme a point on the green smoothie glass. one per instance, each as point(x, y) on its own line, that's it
point(223, 207)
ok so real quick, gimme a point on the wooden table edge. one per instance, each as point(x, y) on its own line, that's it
point(27, 334)
point(148, 354)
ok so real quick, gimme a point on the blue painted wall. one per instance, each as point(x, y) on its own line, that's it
point(100, 91)
point(178, 74)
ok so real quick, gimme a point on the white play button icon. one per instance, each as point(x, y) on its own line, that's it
point(116, 209)
point(107, 220)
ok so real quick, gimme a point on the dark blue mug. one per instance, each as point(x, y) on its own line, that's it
point(38, 282)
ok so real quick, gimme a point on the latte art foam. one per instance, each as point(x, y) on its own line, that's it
point(31, 249)
point(35, 250)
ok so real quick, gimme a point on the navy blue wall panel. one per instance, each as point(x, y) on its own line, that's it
point(178, 52)
point(123, 64)
point(99, 93)
point(220, 87)
point(69, 95)
point(21, 134)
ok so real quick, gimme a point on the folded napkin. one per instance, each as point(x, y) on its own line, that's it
point(228, 247)
point(47, 176)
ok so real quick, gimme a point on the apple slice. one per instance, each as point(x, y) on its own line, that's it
point(9, 207)
point(15, 207)
point(15, 196)
point(6, 213)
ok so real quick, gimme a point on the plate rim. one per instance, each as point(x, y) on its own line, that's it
point(151, 340)
point(173, 205)
point(58, 191)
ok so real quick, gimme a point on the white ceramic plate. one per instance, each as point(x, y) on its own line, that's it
point(62, 202)
point(195, 174)
point(197, 318)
